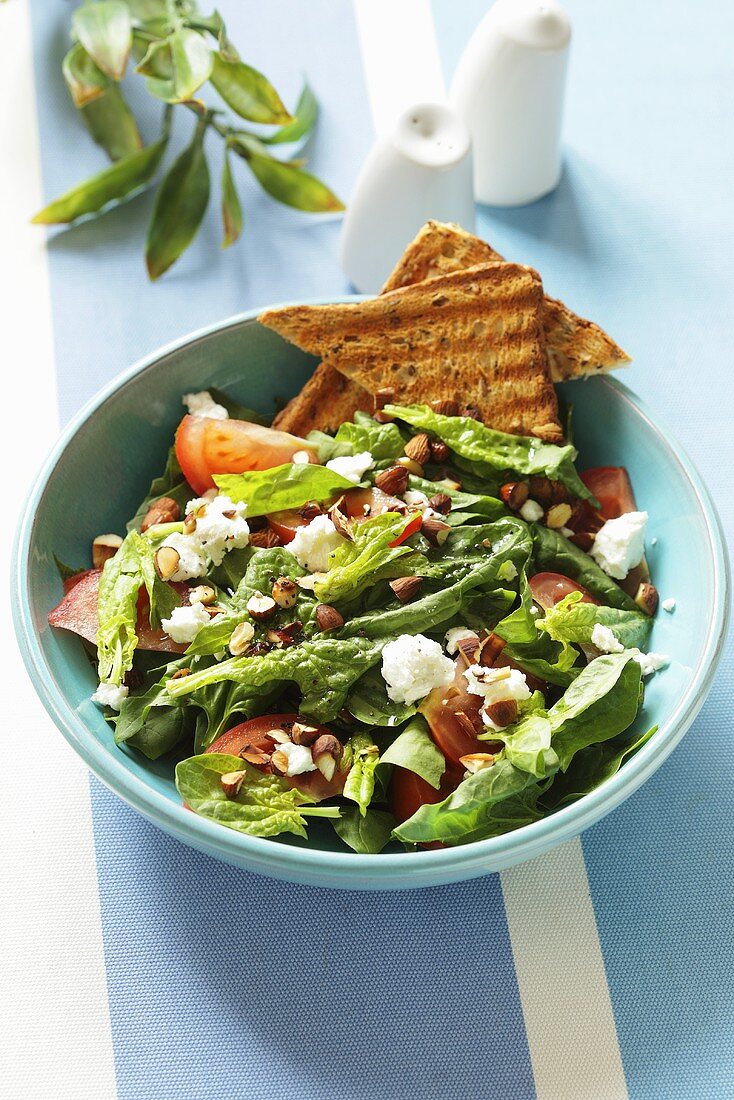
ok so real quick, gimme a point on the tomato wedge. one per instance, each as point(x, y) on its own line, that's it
point(612, 487)
point(205, 447)
point(408, 791)
point(253, 734)
point(548, 589)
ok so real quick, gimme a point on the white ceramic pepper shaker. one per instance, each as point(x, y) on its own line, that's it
point(509, 89)
point(422, 170)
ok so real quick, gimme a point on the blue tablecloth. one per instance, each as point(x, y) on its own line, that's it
point(225, 984)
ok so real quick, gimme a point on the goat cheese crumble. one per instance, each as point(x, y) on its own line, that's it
point(651, 662)
point(220, 526)
point(352, 467)
point(415, 498)
point(531, 511)
point(455, 635)
point(203, 404)
point(412, 666)
point(299, 758)
point(110, 695)
point(604, 638)
point(185, 622)
point(312, 544)
point(668, 605)
point(620, 544)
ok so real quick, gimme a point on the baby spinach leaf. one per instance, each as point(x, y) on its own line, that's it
point(556, 554)
point(462, 503)
point(150, 720)
point(528, 745)
point(496, 452)
point(414, 750)
point(591, 767)
point(369, 702)
point(265, 805)
point(360, 782)
point(282, 487)
point(171, 483)
point(367, 834)
point(600, 704)
point(573, 621)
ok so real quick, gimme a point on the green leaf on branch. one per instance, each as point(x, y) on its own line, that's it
point(105, 31)
point(292, 186)
point(178, 66)
point(306, 114)
point(179, 206)
point(248, 92)
point(84, 79)
point(112, 124)
point(121, 181)
point(231, 206)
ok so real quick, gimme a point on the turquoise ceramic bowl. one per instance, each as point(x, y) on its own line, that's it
point(99, 471)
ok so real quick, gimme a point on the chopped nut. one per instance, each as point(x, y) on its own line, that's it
point(411, 465)
point(448, 483)
point(477, 761)
point(166, 562)
point(439, 451)
point(104, 547)
point(231, 783)
point(163, 510)
point(327, 752)
point(384, 396)
point(393, 480)
point(647, 598)
point(203, 593)
point(260, 649)
point(405, 588)
point(242, 635)
point(303, 734)
point(285, 592)
point(189, 523)
point(490, 650)
point(503, 712)
point(261, 607)
point(440, 502)
point(279, 762)
point(265, 538)
point(214, 610)
point(465, 722)
point(468, 647)
point(278, 735)
point(180, 673)
point(446, 407)
point(328, 618)
point(309, 510)
point(341, 523)
point(558, 515)
point(514, 494)
point(256, 757)
point(435, 530)
point(419, 448)
point(548, 492)
point(286, 636)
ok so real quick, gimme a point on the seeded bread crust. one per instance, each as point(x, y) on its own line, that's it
point(474, 336)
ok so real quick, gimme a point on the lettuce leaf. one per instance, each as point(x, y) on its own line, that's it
point(282, 487)
point(414, 750)
point(573, 621)
point(555, 554)
point(117, 605)
point(364, 833)
point(528, 745)
point(369, 558)
point(496, 452)
point(360, 782)
point(383, 441)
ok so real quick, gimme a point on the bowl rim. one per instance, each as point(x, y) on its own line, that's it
point(261, 853)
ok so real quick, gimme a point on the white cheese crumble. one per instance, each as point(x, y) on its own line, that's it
point(651, 662)
point(352, 467)
point(192, 561)
point(455, 635)
point(668, 605)
point(186, 622)
point(110, 695)
point(312, 544)
point(415, 498)
point(203, 404)
point(531, 511)
point(412, 666)
point(620, 544)
point(604, 638)
point(299, 758)
point(495, 685)
point(215, 533)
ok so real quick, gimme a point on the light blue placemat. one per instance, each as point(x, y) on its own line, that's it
point(221, 983)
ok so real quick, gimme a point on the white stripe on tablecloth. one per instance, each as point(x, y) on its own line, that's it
point(400, 55)
point(563, 988)
point(55, 1038)
point(560, 973)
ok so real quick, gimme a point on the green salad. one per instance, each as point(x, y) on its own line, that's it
point(422, 630)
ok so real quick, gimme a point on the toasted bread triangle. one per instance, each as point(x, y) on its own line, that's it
point(474, 336)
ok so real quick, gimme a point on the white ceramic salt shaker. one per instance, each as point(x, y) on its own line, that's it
point(421, 170)
point(509, 89)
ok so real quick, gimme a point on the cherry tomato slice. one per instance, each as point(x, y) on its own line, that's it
point(612, 488)
point(253, 734)
point(548, 589)
point(408, 791)
point(410, 528)
point(205, 447)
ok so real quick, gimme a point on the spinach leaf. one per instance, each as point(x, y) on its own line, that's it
point(591, 767)
point(495, 452)
point(66, 572)
point(324, 668)
point(383, 441)
point(282, 487)
point(600, 704)
point(366, 834)
point(573, 621)
point(369, 702)
point(414, 750)
point(237, 411)
point(462, 503)
point(171, 483)
point(528, 745)
point(150, 720)
point(223, 705)
point(360, 782)
point(552, 661)
point(556, 554)
point(369, 558)
point(265, 805)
